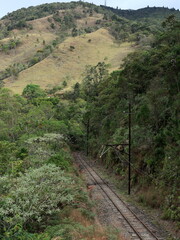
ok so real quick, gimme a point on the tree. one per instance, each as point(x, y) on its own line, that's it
point(94, 75)
point(170, 22)
point(32, 91)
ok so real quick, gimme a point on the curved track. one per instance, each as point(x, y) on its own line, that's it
point(137, 228)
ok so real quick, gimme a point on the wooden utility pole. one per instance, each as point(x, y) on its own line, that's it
point(129, 162)
point(87, 137)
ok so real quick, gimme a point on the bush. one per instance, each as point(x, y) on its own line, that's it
point(5, 185)
point(7, 157)
point(32, 91)
point(61, 159)
point(37, 194)
point(17, 233)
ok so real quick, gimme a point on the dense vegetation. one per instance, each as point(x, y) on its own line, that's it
point(150, 81)
point(149, 18)
point(145, 13)
point(36, 176)
point(37, 181)
point(41, 194)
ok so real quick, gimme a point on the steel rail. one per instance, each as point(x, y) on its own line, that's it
point(126, 205)
point(113, 202)
point(84, 163)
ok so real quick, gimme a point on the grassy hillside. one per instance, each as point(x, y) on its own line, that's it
point(46, 58)
point(52, 43)
point(30, 42)
point(68, 61)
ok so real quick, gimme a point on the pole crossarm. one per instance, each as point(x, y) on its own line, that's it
point(119, 147)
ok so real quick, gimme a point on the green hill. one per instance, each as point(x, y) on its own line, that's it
point(62, 35)
point(62, 40)
point(145, 13)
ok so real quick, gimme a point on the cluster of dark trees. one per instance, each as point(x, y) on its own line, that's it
point(148, 12)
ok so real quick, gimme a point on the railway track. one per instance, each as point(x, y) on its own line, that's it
point(136, 228)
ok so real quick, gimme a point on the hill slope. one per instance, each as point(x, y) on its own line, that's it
point(30, 42)
point(68, 61)
point(52, 43)
point(57, 47)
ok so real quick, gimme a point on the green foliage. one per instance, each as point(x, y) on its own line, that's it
point(149, 13)
point(35, 128)
point(142, 22)
point(19, 25)
point(32, 91)
point(5, 185)
point(33, 186)
point(40, 149)
point(36, 194)
point(17, 233)
point(3, 31)
point(54, 90)
point(68, 22)
point(74, 32)
point(150, 81)
point(171, 208)
point(12, 70)
point(10, 115)
point(9, 161)
point(94, 75)
point(64, 82)
point(61, 159)
point(65, 230)
point(11, 44)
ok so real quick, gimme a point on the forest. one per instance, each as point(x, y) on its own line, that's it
point(39, 130)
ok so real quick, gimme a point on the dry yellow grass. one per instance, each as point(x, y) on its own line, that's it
point(93, 229)
point(31, 40)
point(67, 64)
point(89, 21)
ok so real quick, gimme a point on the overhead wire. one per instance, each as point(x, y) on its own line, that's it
point(132, 165)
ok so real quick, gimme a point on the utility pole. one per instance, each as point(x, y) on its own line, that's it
point(129, 162)
point(122, 145)
point(87, 137)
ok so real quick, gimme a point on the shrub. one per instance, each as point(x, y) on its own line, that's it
point(37, 194)
point(32, 91)
point(71, 48)
point(17, 233)
point(40, 149)
point(61, 159)
point(64, 82)
point(5, 185)
point(7, 157)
